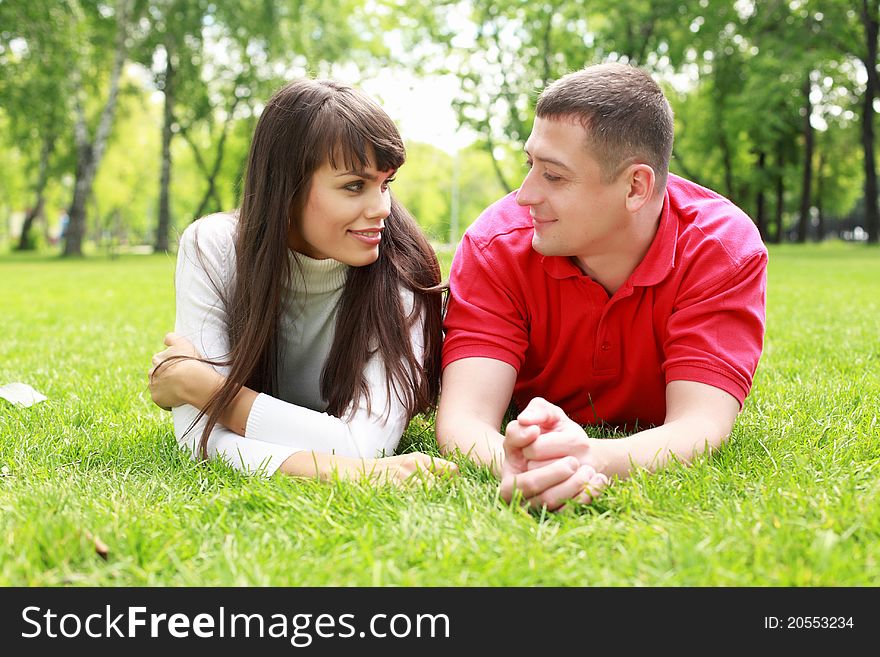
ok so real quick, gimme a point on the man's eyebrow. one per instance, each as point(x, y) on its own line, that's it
point(549, 160)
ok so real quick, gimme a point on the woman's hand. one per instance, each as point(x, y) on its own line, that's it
point(406, 468)
point(398, 470)
point(175, 374)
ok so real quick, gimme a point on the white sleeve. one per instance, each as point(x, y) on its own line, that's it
point(368, 434)
point(201, 318)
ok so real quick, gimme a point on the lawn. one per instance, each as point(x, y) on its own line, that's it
point(791, 500)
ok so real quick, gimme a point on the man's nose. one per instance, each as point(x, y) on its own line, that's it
point(527, 193)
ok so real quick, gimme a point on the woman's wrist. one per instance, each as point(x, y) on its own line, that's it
point(327, 466)
point(199, 382)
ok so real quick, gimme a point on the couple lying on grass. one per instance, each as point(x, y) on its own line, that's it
point(310, 323)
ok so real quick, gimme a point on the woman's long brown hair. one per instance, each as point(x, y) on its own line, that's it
point(305, 124)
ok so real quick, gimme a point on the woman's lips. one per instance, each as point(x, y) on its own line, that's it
point(371, 236)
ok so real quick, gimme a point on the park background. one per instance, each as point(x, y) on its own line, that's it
point(121, 122)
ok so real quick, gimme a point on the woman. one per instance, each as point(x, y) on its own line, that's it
point(317, 304)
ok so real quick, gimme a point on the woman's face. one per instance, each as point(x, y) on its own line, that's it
point(344, 215)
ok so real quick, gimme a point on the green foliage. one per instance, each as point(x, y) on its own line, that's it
point(791, 500)
point(733, 70)
point(126, 187)
point(425, 186)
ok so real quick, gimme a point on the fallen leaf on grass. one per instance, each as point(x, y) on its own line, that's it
point(21, 393)
point(100, 547)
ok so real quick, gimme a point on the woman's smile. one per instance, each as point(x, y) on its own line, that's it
point(370, 236)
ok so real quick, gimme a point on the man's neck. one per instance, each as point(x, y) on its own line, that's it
point(615, 263)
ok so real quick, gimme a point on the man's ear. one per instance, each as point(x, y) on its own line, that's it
point(640, 180)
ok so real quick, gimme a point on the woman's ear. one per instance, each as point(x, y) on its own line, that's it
point(640, 180)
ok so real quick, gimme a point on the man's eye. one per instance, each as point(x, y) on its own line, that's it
point(551, 178)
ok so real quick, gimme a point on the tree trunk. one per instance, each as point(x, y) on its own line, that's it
point(872, 214)
point(806, 195)
point(820, 215)
point(24, 242)
point(728, 167)
point(780, 194)
point(760, 204)
point(490, 146)
point(89, 154)
point(165, 176)
point(211, 176)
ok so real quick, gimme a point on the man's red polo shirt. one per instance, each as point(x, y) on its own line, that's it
point(692, 310)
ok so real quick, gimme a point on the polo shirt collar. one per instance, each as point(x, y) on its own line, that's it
point(560, 267)
point(654, 267)
point(660, 258)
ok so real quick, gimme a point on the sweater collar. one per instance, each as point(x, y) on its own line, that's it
point(312, 276)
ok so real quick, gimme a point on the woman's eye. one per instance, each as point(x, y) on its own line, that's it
point(356, 186)
point(388, 182)
point(549, 177)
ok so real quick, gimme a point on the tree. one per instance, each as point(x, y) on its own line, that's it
point(34, 60)
point(90, 148)
point(172, 50)
point(853, 31)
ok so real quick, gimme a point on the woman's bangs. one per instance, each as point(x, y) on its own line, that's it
point(352, 139)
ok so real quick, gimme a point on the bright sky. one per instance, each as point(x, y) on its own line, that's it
point(421, 107)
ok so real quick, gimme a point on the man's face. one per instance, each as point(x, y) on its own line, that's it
point(573, 212)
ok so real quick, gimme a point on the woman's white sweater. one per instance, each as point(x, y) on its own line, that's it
point(294, 421)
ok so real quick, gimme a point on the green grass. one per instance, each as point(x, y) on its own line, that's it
point(792, 499)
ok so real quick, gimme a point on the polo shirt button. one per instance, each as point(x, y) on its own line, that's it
point(606, 346)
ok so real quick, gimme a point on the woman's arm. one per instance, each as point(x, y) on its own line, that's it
point(275, 430)
point(192, 382)
point(369, 429)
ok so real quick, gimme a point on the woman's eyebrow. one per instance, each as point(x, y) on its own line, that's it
point(361, 173)
point(357, 172)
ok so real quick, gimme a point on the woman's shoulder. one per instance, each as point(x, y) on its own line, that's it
point(407, 299)
point(212, 233)
point(208, 244)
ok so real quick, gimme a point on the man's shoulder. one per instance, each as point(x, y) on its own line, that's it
point(503, 225)
point(710, 221)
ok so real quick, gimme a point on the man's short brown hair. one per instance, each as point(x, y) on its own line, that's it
point(623, 111)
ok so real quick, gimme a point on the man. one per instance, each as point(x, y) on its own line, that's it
point(604, 291)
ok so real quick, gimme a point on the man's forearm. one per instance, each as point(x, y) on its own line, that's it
point(477, 440)
point(652, 449)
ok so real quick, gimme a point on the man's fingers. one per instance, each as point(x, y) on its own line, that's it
point(598, 483)
point(551, 445)
point(535, 482)
point(537, 412)
point(540, 412)
point(594, 488)
point(571, 488)
point(516, 436)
